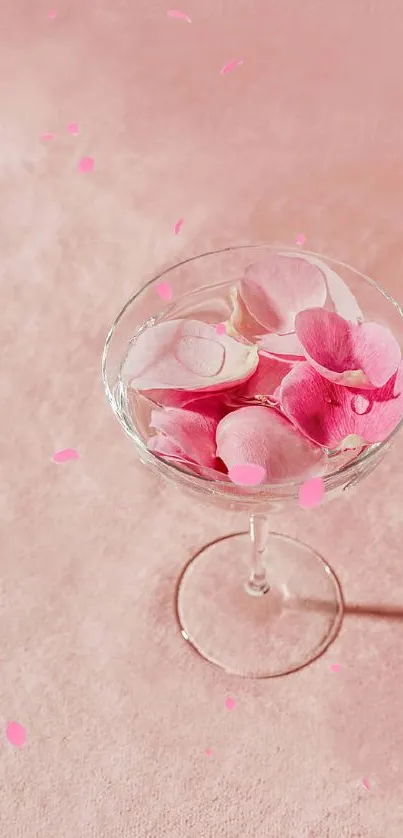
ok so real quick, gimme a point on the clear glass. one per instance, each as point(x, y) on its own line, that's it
point(256, 603)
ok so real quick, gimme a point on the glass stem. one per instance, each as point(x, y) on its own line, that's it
point(257, 583)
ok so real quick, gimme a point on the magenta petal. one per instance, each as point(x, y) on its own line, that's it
point(352, 354)
point(328, 413)
point(259, 436)
point(277, 288)
point(187, 355)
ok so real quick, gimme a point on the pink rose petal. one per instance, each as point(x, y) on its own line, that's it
point(263, 383)
point(353, 354)
point(178, 226)
point(339, 297)
point(230, 66)
point(65, 455)
point(300, 239)
point(48, 137)
point(180, 15)
point(230, 703)
point(277, 288)
point(325, 413)
point(164, 290)
point(287, 346)
point(260, 436)
point(16, 734)
point(86, 164)
point(187, 355)
point(247, 475)
point(73, 129)
point(192, 432)
point(311, 493)
point(366, 783)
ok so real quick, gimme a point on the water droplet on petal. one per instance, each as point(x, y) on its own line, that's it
point(360, 404)
point(202, 356)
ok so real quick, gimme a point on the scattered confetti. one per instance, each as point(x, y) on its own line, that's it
point(220, 329)
point(177, 226)
point(65, 455)
point(311, 493)
point(247, 475)
point(230, 66)
point(164, 291)
point(16, 734)
point(300, 239)
point(52, 15)
point(366, 783)
point(86, 164)
point(230, 703)
point(180, 15)
point(208, 752)
point(47, 137)
point(73, 129)
point(335, 667)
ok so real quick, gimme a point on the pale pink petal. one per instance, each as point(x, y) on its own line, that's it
point(187, 355)
point(398, 382)
point(259, 436)
point(339, 297)
point(178, 226)
point(192, 432)
point(178, 14)
point(311, 493)
point(277, 288)
point(327, 413)
point(288, 346)
point(353, 354)
point(65, 455)
point(230, 66)
point(86, 164)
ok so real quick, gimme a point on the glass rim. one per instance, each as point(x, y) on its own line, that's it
point(199, 480)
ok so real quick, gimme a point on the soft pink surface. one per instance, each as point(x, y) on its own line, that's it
point(305, 137)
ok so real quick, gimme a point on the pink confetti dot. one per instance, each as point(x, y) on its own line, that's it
point(208, 752)
point(311, 493)
point(366, 783)
point(300, 239)
point(230, 703)
point(73, 129)
point(335, 667)
point(52, 15)
point(16, 734)
point(178, 226)
point(47, 137)
point(65, 455)
point(247, 475)
point(86, 164)
point(230, 66)
point(220, 329)
point(164, 291)
point(179, 15)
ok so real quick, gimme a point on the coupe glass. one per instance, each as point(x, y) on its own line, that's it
point(256, 603)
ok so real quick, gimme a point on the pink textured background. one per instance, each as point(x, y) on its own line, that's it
point(306, 136)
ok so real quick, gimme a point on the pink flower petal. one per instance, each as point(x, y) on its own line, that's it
point(324, 412)
point(300, 239)
point(311, 493)
point(353, 354)
point(164, 290)
point(180, 15)
point(260, 436)
point(192, 432)
point(230, 66)
point(366, 783)
point(73, 129)
point(47, 137)
point(187, 355)
point(86, 164)
point(264, 382)
point(247, 475)
point(178, 226)
point(65, 455)
point(288, 346)
point(230, 703)
point(277, 288)
point(16, 734)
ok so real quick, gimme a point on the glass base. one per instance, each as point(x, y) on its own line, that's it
point(252, 635)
